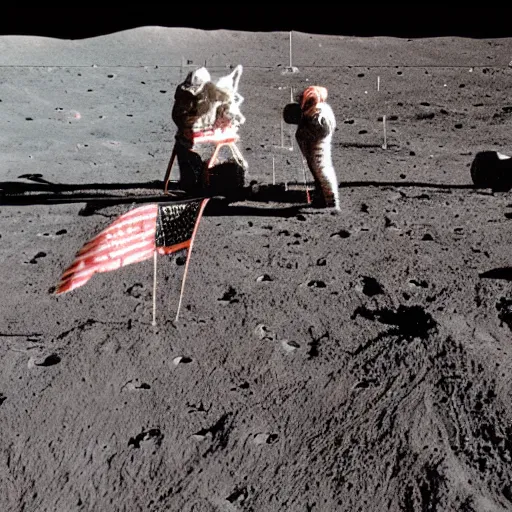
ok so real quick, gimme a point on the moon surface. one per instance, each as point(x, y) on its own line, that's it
point(358, 360)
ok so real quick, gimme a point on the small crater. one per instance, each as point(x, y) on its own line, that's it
point(135, 290)
point(427, 237)
point(349, 121)
point(37, 256)
point(290, 346)
point(343, 233)
point(362, 132)
point(265, 438)
point(315, 283)
point(262, 333)
point(321, 262)
point(422, 116)
point(182, 360)
point(419, 284)
point(365, 383)
point(229, 296)
point(153, 434)
point(136, 385)
point(370, 286)
point(50, 360)
point(458, 126)
point(388, 223)
point(238, 495)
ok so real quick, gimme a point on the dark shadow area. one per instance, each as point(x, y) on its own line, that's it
point(219, 208)
point(405, 184)
point(39, 184)
point(39, 191)
point(353, 20)
point(504, 273)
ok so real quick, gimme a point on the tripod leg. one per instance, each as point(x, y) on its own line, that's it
point(210, 164)
point(169, 168)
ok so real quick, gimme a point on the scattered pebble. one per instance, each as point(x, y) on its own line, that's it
point(290, 346)
point(181, 360)
point(264, 438)
point(262, 333)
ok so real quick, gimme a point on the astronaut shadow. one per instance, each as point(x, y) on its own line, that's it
point(501, 273)
point(37, 184)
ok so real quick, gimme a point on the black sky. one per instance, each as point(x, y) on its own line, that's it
point(368, 20)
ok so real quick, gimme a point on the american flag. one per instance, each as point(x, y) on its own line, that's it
point(133, 237)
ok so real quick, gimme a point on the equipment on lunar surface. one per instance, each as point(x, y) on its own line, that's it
point(207, 114)
point(491, 169)
point(315, 126)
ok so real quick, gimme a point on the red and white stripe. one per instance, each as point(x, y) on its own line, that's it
point(129, 239)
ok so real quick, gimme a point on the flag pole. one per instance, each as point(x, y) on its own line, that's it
point(189, 252)
point(153, 322)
